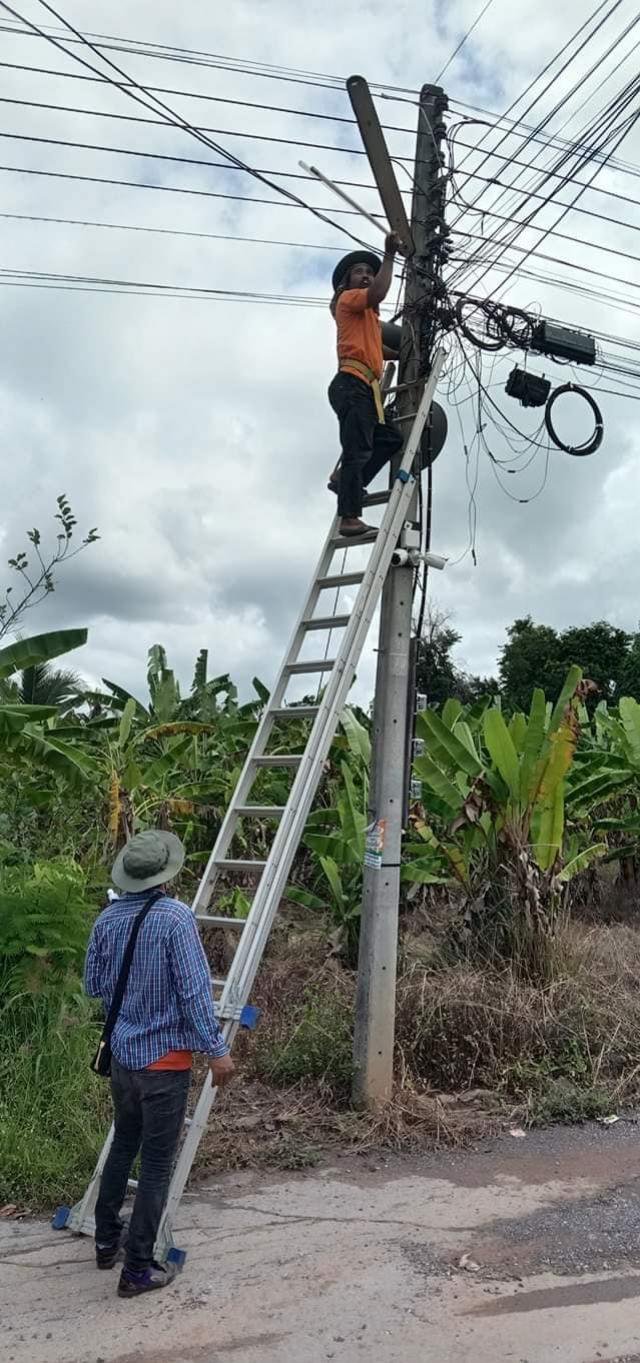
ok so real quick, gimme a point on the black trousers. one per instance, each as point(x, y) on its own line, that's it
point(149, 1107)
point(367, 445)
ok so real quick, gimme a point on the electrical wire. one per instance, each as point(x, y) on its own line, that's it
point(173, 119)
point(463, 40)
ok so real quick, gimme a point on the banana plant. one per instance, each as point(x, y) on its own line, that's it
point(28, 735)
point(494, 806)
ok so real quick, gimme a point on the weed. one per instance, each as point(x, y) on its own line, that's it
point(316, 1045)
point(53, 1112)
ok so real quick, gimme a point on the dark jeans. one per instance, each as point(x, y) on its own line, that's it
point(367, 445)
point(149, 1106)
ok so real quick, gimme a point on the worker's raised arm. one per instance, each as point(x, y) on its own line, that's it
point(379, 289)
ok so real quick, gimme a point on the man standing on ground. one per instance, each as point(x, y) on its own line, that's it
point(167, 1013)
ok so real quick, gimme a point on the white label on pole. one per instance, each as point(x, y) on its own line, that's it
point(374, 844)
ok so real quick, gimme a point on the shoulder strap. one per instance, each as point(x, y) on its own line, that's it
point(121, 982)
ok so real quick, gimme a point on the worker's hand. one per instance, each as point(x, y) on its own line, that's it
point(222, 1071)
point(392, 244)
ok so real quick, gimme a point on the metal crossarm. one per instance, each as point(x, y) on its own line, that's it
point(336, 673)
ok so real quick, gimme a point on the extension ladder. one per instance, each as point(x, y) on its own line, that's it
point(233, 1009)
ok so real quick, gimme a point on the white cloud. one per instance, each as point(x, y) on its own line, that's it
point(197, 435)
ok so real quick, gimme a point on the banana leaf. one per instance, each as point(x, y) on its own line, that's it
point(502, 752)
point(40, 648)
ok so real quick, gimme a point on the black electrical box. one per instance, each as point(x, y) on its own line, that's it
point(563, 344)
point(531, 390)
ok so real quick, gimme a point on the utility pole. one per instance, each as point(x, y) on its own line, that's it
point(377, 966)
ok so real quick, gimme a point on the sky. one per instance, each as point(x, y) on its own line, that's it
point(195, 432)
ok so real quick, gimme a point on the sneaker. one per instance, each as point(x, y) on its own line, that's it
point(151, 1279)
point(107, 1255)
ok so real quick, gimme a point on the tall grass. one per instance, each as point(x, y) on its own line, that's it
point(53, 1111)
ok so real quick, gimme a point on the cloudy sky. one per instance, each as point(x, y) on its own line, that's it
point(194, 431)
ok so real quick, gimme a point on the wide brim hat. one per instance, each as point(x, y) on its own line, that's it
point(354, 258)
point(150, 858)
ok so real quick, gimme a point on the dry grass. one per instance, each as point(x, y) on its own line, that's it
point(477, 1049)
point(460, 1027)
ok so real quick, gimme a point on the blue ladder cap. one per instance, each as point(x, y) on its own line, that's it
point(402, 476)
point(177, 1257)
point(60, 1218)
point(250, 1016)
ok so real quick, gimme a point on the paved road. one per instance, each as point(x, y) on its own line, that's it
point(364, 1260)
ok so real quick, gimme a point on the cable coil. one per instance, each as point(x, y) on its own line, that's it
point(589, 446)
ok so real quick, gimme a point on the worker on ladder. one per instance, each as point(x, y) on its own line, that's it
point(166, 1013)
point(360, 283)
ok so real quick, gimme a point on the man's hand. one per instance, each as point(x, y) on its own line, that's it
point(222, 1071)
point(392, 244)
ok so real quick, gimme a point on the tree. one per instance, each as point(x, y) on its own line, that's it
point(539, 656)
point(629, 684)
point(436, 673)
point(46, 685)
point(530, 659)
point(37, 573)
point(600, 650)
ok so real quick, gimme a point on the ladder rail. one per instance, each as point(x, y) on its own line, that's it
point(266, 901)
point(303, 789)
point(248, 773)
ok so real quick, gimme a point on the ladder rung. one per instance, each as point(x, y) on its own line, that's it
point(260, 811)
point(295, 711)
point(317, 665)
point(218, 983)
point(340, 580)
point(348, 541)
point(240, 864)
point(326, 622)
point(220, 921)
point(132, 1183)
point(376, 498)
point(279, 759)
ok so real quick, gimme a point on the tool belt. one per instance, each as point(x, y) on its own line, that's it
point(372, 380)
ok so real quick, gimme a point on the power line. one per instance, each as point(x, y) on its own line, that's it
point(602, 128)
point(463, 40)
point(174, 118)
point(324, 246)
point(547, 68)
point(173, 232)
point(616, 107)
point(264, 137)
point(357, 184)
point(155, 288)
point(528, 133)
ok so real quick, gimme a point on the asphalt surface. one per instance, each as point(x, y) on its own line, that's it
point(521, 1251)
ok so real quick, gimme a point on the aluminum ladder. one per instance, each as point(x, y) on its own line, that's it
point(233, 1009)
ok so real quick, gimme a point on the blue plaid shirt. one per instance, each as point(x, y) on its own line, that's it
point(168, 1002)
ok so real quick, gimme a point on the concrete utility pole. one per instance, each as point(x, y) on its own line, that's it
point(376, 993)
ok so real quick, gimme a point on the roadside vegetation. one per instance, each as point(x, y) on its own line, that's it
point(520, 954)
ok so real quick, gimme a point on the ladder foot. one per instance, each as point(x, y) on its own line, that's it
point(60, 1218)
point(250, 1016)
point(177, 1257)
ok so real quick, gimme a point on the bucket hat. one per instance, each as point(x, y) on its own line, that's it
point(148, 859)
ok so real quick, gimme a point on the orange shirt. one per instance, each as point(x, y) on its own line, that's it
point(173, 1060)
point(359, 332)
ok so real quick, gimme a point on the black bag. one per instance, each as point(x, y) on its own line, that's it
point(101, 1063)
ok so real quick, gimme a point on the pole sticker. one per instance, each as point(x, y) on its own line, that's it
point(374, 844)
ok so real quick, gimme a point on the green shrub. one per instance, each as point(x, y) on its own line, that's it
point(313, 1043)
point(45, 918)
point(53, 1112)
